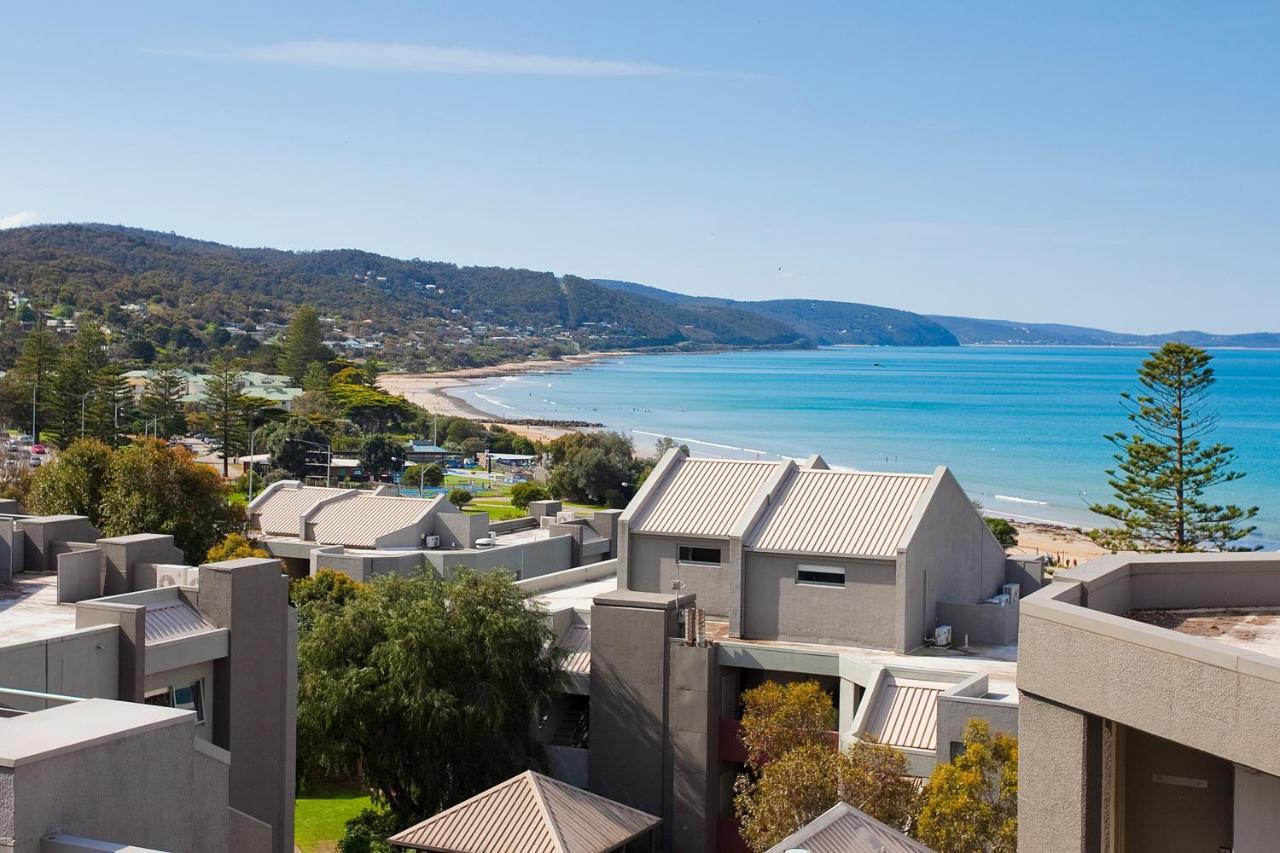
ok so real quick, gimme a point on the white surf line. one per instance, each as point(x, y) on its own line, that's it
point(706, 443)
point(1019, 500)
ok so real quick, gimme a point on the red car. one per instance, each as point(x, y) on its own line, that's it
point(38, 449)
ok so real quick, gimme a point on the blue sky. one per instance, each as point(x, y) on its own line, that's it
point(1094, 163)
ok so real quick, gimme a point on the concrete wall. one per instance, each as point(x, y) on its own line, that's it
point(951, 556)
point(1257, 811)
point(130, 619)
point(965, 702)
point(460, 529)
point(255, 688)
point(569, 577)
point(363, 566)
point(629, 683)
point(43, 536)
point(12, 549)
point(210, 818)
point(81, 663)
point(526, 559)
point(1053, 779)
point(693, 715)
point(121, 554)
point(982, 624)
point(135, 789)
point(79, 575)
point(862, 613)
point(652, 566)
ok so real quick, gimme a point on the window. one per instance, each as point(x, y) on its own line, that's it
point(693, 554)
point(957, 749)
point(820, 575)
point(185, 697)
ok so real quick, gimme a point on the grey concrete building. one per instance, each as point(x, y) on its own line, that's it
point(142, 702)
point(1148, 715)
point(734, 573)
point(367, 533)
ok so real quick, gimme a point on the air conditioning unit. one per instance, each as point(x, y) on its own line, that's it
point(565, 517)
point(942, 635)
point(171, 576)
point(431, 541)
point(1013, 590)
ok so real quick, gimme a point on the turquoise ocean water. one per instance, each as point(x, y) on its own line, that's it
point(1021, 427)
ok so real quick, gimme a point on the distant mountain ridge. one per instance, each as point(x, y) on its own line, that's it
point(822, 321)
point(970, 330)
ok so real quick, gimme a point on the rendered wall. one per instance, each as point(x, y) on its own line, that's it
point(1257, 811)
point(80, 663)
point(861, 613)
point(135, 789)
point(951, 556)
point(652, 567)
point(1052, 779)
point(44, 536)
point(692, 713)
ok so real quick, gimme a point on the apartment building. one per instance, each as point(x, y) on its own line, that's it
point(1148, 713)
point(733, 573)
point(366, 533)
point(143, 703)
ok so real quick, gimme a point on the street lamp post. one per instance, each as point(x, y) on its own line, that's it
point(328, 449)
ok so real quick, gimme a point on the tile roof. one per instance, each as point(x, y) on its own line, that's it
point(576, 641)
point(173, 618)
point(278, 511)
point(703, 497)
point(906, 713)
point(529, 813)
point(849, 513)
point(361, 521)
point(844, 829)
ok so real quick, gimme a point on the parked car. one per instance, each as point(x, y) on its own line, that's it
point(38, 448)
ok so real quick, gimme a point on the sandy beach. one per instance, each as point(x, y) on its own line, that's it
point(430, 390)
point(1065, 543)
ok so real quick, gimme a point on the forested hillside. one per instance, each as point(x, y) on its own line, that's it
point(157, 290)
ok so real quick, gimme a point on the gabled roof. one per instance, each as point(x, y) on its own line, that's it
point(529, 813)
point(702, 497)
point(280, 508)
point(173, 618)
point(906, 713)
point(845, 513)
point(363, 520)
point(844, 829)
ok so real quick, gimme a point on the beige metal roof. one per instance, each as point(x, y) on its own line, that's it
point(906, 713)
point(845, 829)
point(703, 497)
point(362, 520)
point(529, 813)
point(174, 618)
point(279, 511)
point(576, 641)
point(848, 513)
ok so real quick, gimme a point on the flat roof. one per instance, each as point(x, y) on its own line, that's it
point(1254, 628)
point(579, 596)
point(41, 734)
point(519, 537)
point(29, 609)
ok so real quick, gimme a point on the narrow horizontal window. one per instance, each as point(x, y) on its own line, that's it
point(820, 575)
point(690, 554)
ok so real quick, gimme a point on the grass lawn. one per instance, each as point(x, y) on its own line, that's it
point(320, 817)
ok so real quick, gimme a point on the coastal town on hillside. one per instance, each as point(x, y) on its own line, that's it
point(639, 428)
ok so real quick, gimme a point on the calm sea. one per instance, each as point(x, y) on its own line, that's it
point(1021, 427)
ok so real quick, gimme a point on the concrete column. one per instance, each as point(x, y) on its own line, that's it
point(1257, 811)
point(693, 728)
point(254, 700)
point(1054, 778)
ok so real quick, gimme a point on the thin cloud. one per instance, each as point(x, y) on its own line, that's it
point(17, 220)
point(427, 59)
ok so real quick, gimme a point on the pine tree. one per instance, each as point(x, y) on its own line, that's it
point(33, 378)
point(226, 403)
point(1163, 466)
point(303, 343)
point(161, 402)
point(73, 382)
point(109, 405)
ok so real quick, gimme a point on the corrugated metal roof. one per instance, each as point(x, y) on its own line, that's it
point(361, 521)
point(529, 813)
point(845, 829)
point(906, 713)
point(174, 618)
point(703, 497)
point(279, 512)
point(576, 641)
point(849, 513)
